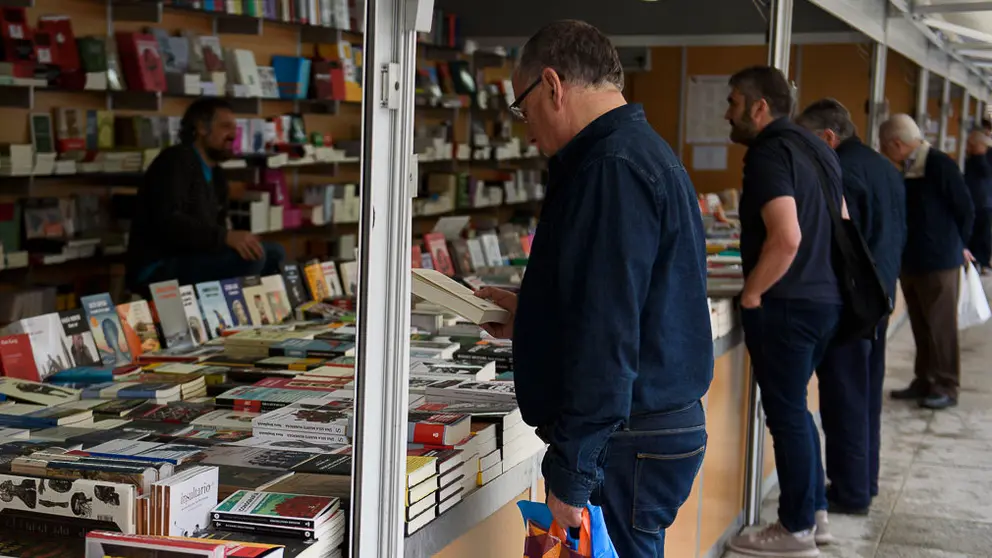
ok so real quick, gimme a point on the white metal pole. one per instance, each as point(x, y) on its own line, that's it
point(922, 91)
point(876, 107)
point(780, 35)
point(945, 109)
point(964, 127)
point(382, 363)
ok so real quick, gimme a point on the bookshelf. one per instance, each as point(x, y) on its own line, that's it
point(338, 119)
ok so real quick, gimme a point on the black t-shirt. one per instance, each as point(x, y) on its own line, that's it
point(774, 168)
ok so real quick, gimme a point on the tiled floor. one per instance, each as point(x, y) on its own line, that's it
point(935, 496)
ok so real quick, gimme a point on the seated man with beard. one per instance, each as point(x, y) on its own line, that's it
point(179, 228)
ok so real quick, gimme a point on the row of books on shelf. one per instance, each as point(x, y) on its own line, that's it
point(347, 15)
point(79, 141)
point(444, 192)
point(156, 61)
point(185, 443)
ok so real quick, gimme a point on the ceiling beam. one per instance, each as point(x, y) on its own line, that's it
point(965, 48)
point(962, 30)
point(952, 8)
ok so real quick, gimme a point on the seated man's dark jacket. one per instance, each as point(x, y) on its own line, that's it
point(777, 166)
point(177, 212)
point(612, 320)
point(939, 217)
point(978, 178)
point(876, 201)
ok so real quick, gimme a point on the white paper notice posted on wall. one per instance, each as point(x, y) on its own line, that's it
point(706, 105)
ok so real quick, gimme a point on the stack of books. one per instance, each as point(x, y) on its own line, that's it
point(297, 516)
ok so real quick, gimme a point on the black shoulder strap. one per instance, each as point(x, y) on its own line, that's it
point(796, 140)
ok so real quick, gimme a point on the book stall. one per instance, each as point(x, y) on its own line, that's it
point(349, 405)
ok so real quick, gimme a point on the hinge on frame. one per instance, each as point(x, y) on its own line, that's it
point(390, 79)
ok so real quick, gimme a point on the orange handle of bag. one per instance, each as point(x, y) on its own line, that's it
point(585, 534)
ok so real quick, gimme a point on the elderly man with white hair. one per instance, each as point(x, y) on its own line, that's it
point(939, 218)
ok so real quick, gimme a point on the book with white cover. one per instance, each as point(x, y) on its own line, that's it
point(332, 279)
point(275, 291)
point(226, 420)
point(459, 390)
point(332, 417)
point(190, 498)
point(448, 370)
point(81, 498)
point(36, 392)
point(197, 326)
point(440, 289)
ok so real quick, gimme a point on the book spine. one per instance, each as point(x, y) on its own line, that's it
point(302, 534)
point(422, 433)
point(48, 526)
point(271, 434)
point(254, 519)
point(329, 429)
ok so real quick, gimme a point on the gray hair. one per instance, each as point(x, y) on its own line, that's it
point(578, 52)
point(900, 127)
point(828, 114)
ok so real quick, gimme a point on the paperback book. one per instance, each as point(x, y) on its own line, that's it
point(215, 309)
point(78, 336)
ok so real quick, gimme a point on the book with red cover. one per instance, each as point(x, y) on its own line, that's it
point(330, 385)
point(438, 248)
point(65, 54)
point(437, 428)
point(141, 60)
point(415, 256)
point(16, 358)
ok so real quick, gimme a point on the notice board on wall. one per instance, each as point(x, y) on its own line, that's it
point(706, 104)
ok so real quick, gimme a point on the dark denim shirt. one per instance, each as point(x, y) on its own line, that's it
point(775, 166)
point(939, 217)
point(876, 200)
point(612, 320)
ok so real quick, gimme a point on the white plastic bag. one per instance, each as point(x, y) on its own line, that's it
point(973, 305)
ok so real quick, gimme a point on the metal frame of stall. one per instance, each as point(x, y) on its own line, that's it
point(388, 178)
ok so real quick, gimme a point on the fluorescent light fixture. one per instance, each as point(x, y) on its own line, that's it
point(983, 64)
point(958, 29)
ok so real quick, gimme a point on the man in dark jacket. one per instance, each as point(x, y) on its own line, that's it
point(179, 230)
point(852, 373)
point(939, 219)
point(791, 302)
point(978, 177)
point(611, 336)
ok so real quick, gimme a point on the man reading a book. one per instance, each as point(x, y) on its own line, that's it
point(611, 330)
point(179, 229)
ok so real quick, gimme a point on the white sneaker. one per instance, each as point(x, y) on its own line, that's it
point(775, 541)
point(822, 534)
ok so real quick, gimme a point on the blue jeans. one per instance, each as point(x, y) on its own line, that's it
point(786, 340)
point(649, 467)
point(228, 264)
point(851, 377)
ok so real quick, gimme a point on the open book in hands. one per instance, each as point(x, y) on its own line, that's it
point(455, 297)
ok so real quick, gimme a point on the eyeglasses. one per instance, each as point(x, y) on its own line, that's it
point(515, 107)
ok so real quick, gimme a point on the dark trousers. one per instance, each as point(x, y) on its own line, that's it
point(228, 264)
point(980, 244)
point(932, 303)
point(851, 376)
point(648, 472)
point(787, 340)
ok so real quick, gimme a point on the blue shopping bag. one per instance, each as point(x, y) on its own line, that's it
point(545, 538)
